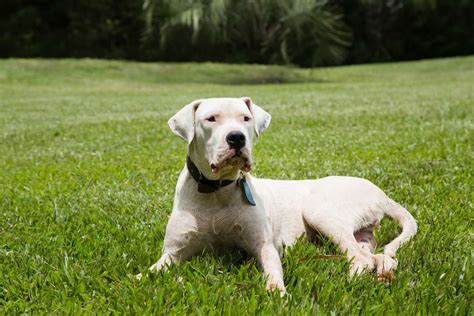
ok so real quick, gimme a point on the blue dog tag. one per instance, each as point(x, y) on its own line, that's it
point(246, 190)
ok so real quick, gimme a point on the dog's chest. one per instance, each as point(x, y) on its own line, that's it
point(221, 223)
point(222, 218)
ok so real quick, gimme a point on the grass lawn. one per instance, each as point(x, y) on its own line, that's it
point(88, 168)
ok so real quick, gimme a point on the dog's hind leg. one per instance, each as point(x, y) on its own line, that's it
point(385, 265)
point(386, 262)
point(342, 236)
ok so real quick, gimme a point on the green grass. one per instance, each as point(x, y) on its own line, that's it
point(88, 168)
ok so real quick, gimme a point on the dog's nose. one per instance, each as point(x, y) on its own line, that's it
point(236, 140)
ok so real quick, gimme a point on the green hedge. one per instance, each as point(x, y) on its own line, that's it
point(116, 29)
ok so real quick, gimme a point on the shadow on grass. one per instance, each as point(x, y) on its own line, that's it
point(269, 76)
point(31, 71)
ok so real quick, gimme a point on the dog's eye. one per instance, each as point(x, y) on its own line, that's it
point(211, 118)
point(246, 118)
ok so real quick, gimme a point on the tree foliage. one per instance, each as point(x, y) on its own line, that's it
point(302, 32)
point(308, 32)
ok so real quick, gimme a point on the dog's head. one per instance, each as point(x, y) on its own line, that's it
point(220, 134)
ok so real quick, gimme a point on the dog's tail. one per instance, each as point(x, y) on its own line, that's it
point(408, 223)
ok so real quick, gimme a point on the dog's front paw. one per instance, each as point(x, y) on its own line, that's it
point(274, 286)
point(386, 266)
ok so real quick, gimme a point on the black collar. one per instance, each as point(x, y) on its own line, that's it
point(204, 184)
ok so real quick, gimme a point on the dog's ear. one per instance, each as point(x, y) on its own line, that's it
point(182, 123)
point(260, 117)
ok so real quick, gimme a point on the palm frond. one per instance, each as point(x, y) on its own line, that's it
point(277, 30)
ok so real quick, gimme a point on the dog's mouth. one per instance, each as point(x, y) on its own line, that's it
point(232, 159)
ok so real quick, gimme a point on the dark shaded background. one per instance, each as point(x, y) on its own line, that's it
point(115, 29)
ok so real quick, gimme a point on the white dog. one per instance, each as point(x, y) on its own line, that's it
point(218, 204)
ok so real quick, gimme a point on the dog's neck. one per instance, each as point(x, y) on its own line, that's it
point(205, 185)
